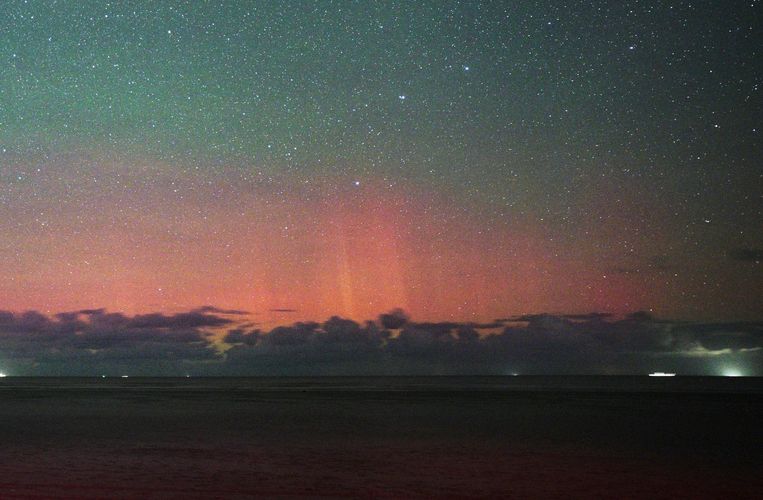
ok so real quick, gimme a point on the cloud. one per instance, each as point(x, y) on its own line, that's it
point(486, 326)
point(97, 341)
point(91, 311)
point(589, 316)
point(282, 310)
point(539, 343)
point(217, 310)
point(397, 318)
point(240, 336)
point(175, 321)
point(747, 254)
point(79, 341)
point(337, 346)
point(722, 336)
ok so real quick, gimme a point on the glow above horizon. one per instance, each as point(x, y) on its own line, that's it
point(457, 160)
point(141, 238)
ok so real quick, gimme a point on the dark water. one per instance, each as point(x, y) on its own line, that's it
point(391, 437)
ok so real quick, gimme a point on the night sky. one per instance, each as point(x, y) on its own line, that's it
point(464, 161)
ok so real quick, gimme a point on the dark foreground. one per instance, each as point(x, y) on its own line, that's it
point(522, 437)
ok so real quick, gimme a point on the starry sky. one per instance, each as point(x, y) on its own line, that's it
point(464, 161)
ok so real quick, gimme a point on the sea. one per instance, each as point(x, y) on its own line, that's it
point(381, 437)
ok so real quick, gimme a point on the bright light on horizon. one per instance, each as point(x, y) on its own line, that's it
point(732, 372)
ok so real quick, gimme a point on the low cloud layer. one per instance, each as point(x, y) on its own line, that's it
point(90, 342)
point(543, 343)
point(94, 341)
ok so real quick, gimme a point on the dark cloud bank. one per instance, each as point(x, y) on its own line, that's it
point(92, 342)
